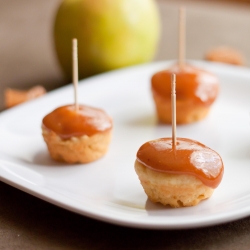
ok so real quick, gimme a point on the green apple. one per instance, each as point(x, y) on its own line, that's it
point(111, 34)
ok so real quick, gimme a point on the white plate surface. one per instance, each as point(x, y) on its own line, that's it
point(109, 189)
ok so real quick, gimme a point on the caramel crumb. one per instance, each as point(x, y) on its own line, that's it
point(14, 97)
point(225, 55)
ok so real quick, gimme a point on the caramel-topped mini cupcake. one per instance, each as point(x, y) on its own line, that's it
point(178, 176)
point(196, 90)
point(77, 136)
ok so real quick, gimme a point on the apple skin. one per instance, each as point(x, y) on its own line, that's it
point(111, 34)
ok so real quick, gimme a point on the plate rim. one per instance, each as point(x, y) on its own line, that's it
point(28, 189)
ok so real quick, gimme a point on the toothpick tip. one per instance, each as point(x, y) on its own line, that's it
point(74, 41)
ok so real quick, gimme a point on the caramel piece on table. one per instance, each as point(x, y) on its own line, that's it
point(225, 55)
point(14, 97)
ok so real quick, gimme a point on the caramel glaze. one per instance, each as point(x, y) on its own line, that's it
point(193, 84)
point(188, 157)
point(66, 122)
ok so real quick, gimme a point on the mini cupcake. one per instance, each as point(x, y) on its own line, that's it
point(77, 136)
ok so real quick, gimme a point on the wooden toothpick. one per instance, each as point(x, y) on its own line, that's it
point(173, 107)
point(182, 36)
point(75, 71)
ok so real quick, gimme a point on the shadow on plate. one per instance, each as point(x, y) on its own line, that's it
point(241, 151)
point(152, 207)
point(42, 158)
point(141, 121)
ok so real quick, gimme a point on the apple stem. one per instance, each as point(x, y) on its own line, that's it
point(75, 72)
point(173, 108)
point(182, 36)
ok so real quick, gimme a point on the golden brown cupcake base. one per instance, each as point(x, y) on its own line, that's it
point(172, 189)
point(186, 112)
point(82, 149)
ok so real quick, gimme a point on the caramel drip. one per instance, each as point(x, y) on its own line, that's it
point(66, 122)
point(188, 157)
point(196, 85)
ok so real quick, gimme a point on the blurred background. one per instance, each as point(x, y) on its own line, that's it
point(27, 55)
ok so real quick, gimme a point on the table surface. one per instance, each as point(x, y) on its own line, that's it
point(27, 58)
